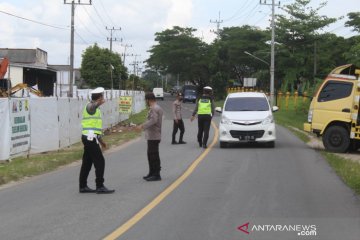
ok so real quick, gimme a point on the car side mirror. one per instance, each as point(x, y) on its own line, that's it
point(275, 108)
point(218, 109)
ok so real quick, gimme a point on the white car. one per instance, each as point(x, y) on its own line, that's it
point(247, 117)
point(159, 93)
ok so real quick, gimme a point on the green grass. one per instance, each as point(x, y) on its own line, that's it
point(347, 169)
point(36, 164)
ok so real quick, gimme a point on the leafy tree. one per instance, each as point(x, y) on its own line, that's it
point(297, 34)
point(353, 55)
point(179, 52)
point(96, 64)
point(231, 48)
point(354, 21)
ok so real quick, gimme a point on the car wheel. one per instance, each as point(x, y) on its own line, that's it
point(270, 144)
point(223, 144)
point(336, 139)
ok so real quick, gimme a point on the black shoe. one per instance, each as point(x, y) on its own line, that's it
point(200, 144)
point(145, 177)
point(86, 190)
point(153, 178)
point(182, 142)
point(174, 142)
point(104, 190)
point(204, 146)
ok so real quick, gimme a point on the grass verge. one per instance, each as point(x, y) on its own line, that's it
point(21, 167)
point(347, 169)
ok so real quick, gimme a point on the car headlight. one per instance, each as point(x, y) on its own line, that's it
point(269, 119)
point(225, 120)
point(310, 115)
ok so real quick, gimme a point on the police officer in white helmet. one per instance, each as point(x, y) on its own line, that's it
point(91, 138)
point(205, 109)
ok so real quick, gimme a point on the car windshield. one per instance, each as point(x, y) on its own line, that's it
point(247, 104)
point(190, 91)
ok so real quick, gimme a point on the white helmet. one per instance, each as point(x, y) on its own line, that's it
point(97, 90)
point(208, 88)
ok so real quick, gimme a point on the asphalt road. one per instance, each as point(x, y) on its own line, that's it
point(278, 191)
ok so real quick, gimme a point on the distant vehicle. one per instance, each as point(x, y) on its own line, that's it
point(247, 117)
point(175, 90)
point(159, 93)
point(189, 93)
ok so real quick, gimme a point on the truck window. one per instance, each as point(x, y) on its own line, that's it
point(335, 90)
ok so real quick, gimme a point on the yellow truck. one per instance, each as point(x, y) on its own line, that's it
point(334, 112)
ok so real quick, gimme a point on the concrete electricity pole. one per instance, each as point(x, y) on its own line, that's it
point(217, 32)
point(111, 39)
point(125, 47)
point(70, 94)
point(272, 63)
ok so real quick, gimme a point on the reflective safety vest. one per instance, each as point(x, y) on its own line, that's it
point(204, 106)
point(91, 122)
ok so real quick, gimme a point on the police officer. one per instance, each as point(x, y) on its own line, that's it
point(91, 139)
point(205, 108)
point(152, 129)
point(178, 122)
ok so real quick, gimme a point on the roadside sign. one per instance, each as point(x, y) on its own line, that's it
point(125, 104)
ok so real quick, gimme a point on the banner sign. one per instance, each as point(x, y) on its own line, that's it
point(20, 125)
point(125, 104)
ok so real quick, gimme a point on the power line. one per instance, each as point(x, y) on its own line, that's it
point(97, 13)
point(87, 29)
point(37, 22)
point(102, 5)
point(81, 38)
point(236, 13)
point(97, 27)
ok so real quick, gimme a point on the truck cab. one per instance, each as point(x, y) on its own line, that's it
point(334, 109)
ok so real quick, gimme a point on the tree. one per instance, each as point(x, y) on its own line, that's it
point(297, 34)
point(353, 55)
point(96, 66)
point(231, 47)
point(179, 52)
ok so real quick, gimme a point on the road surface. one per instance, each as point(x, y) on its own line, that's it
point(268, 193)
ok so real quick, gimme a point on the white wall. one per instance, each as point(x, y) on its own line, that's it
point(56, 122)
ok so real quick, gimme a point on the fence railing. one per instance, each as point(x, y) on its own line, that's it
point(285, 101)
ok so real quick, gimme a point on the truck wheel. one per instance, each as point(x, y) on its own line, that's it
point(336, 139)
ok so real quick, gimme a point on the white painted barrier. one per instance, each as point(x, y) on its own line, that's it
point(54, 123)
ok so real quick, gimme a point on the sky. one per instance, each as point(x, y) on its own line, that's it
point(49, 25)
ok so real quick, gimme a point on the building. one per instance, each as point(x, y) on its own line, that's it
point(30, 66)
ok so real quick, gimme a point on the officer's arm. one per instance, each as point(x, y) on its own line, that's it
point(196, 108)
point(212, 107)
point(153, 118)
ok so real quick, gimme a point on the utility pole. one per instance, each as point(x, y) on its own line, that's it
point(217, 32)
point(124, 54)
point(135, 63)
point(111, 39)
point(272, 63)
point(70, 94)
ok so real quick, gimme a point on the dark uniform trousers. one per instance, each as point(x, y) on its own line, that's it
point(204, 121)
point(179, 125)
point(92, 155)
point(153, 157)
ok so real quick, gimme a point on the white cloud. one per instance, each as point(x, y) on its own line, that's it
point(179, 14)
